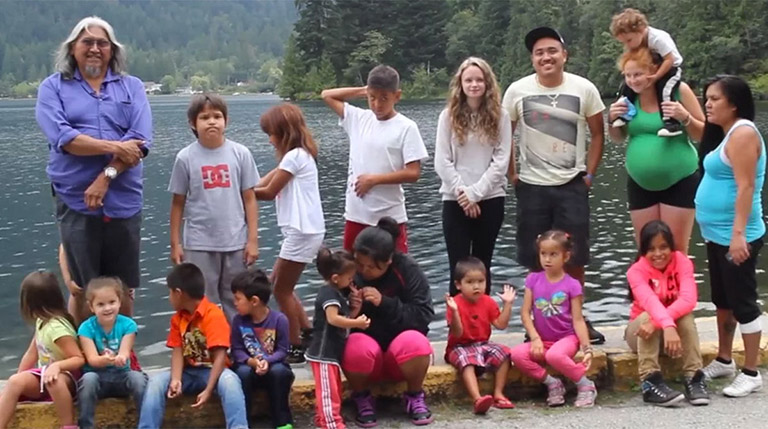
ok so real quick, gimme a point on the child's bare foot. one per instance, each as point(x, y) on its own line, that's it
point(502, 402)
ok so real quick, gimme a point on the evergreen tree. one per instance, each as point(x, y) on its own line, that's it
point(462, 30)
point(314, 29)
point(292, 82)
point(321, 76)
point(417, 34)
point(495, 19)
point(366, 56)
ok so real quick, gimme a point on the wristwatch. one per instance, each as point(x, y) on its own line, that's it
point(110, 172)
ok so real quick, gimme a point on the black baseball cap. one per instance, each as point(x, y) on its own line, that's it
point(536, 34)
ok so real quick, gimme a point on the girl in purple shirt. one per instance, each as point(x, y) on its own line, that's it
point(557, 327)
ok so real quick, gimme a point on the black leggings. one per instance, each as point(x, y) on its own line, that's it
point(472, 237)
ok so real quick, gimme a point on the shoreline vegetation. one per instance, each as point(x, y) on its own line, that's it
point(297, 49)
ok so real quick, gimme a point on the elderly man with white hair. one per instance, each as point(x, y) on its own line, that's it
point(99, 127)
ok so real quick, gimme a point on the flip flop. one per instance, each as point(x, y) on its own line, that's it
point(503, 404)
point(483, 404)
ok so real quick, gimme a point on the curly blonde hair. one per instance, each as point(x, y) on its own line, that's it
point(489, 112)
point(628, 21)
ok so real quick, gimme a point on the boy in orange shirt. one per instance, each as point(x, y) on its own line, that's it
point(199, 338)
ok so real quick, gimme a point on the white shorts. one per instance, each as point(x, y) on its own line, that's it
point(300, 247)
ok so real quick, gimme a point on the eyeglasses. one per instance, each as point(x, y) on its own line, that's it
point(101, 43)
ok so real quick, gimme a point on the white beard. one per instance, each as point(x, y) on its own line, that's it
point(93, 71)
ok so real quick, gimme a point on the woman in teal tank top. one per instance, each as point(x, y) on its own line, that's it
point(662, 171)
point(729, 210)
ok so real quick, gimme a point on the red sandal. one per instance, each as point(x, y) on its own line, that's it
point(483, 404)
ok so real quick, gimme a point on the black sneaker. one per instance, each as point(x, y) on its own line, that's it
point(671, 128)
point(594, 336)
point(295, 355)
point(656, 391)
point(696, 389)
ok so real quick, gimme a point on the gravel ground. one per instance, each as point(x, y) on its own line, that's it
point(613, 410)
point(749, 412)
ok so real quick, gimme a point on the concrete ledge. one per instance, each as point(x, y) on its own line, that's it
point(441, 382)
point(612, 368)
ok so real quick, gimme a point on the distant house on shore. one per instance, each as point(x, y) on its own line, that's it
point(152, 88)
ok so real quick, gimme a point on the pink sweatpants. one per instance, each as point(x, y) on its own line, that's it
point(363, 355)
point(559, 355)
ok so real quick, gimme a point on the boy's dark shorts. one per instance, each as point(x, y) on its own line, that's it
point(734, 287)
point(541, 208)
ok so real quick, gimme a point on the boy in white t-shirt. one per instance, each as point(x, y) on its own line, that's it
point(211, 184)
point(630, 27)
point(385, 150)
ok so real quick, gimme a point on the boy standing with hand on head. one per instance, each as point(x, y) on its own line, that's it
point(630, 27)
point(211, 183)
point(260, 346)
point(199, 337)
point(385, 151)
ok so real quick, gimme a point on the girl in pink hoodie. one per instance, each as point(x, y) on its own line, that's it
point(664, 294)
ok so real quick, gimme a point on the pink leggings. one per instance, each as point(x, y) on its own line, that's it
point(363, 355)
point(559, 355)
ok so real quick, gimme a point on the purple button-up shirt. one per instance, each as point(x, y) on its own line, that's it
point(67, 108)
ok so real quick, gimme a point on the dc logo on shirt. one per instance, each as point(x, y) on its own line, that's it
point(216, 176)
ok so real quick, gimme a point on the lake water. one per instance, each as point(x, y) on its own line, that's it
point(29, 237)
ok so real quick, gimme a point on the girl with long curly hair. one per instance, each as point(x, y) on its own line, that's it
point(472, 153)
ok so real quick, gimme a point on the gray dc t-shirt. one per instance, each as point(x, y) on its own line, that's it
point(213, 181)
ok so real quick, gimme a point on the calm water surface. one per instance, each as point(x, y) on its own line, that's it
point(29, 237)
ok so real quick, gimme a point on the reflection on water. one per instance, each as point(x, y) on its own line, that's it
point(28, 233)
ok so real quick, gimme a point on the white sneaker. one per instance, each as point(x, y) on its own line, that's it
point(666, 133)
point(717, 369)
point(743, 385)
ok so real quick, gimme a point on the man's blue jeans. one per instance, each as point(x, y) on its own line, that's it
point(193, 381)
point(108, 383)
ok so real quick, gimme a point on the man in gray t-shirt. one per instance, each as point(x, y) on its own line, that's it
point(212, 190)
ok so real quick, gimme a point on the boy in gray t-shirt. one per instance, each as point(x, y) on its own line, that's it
point(211, 182)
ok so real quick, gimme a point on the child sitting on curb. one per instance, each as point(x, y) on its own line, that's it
point(470, 315)
point(557, 327)
point(664, 294)
point(260, 346)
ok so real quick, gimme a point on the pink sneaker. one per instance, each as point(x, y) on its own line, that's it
point(586, 396)
point(556, 396)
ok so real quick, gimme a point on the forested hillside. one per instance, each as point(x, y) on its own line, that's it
point(218, 42)
point(303, 46)
point(336, 42)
